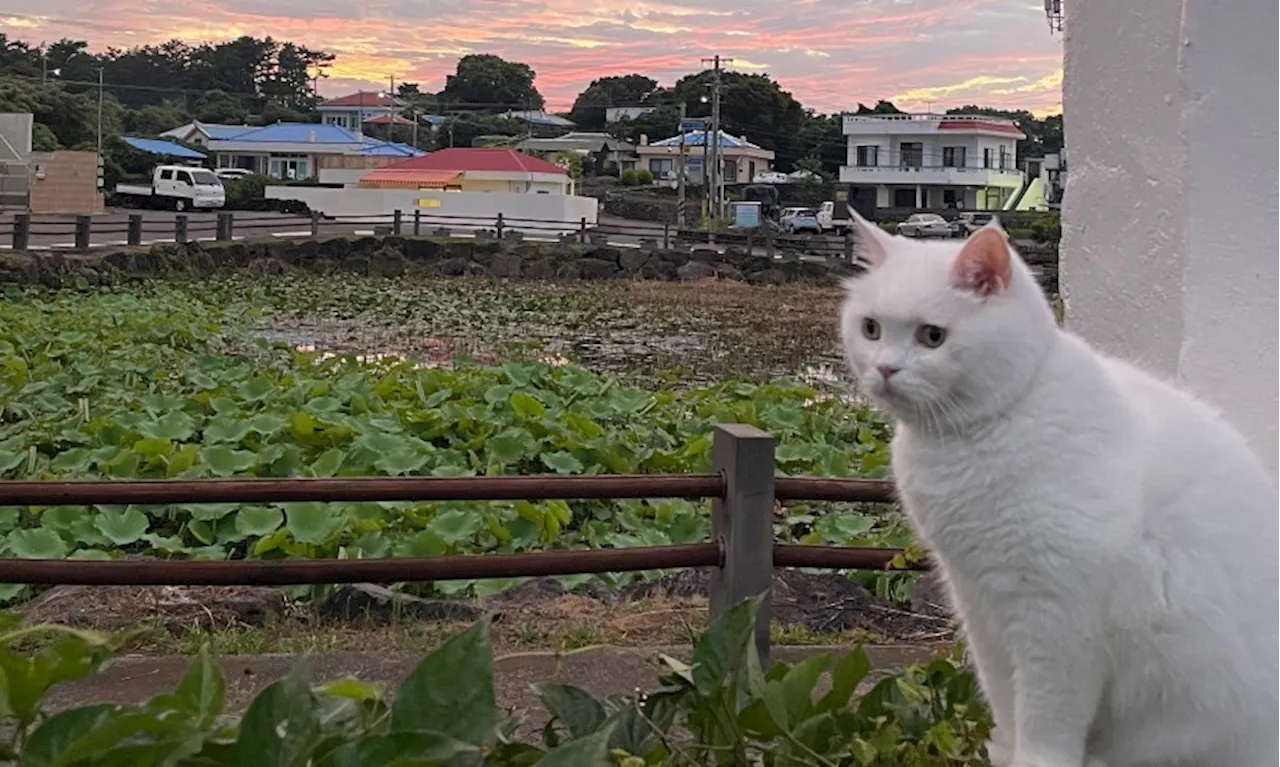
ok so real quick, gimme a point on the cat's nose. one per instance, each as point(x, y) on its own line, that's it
point(887, 371)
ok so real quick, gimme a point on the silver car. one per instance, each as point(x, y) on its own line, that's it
point(925, 225)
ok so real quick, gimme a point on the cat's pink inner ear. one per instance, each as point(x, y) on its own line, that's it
point(867, 241)
point(984, 265)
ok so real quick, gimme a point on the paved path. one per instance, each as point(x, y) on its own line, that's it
point(600, 670)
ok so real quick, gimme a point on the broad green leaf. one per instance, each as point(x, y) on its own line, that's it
point(313, 522)
point(402, 749)
point(176, 426)
point(575, 708)
point(122, 528)
point(562, 463)
point(328, 463)
point(231, 430)
point(202, 691)
point(591, 750)
point(455, 526)
point(451, 691)
point(401, 462)
point(526, 406)
point(37, 543)
point(281, 726)
point(258, 521)
point(209, 512)
point(223, 461)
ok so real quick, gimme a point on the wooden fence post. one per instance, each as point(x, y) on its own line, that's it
point(582, 230)
point(180, 229)
point(84, 232)
point(742, 522)
point(499, 227)
point(21, 231)
point(315, 224)
point(135, 229)
point(417, 222)
point(397, 225)
point(225, 226)
point(666, 235)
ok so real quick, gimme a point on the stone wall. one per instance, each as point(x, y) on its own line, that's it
point(399, 256)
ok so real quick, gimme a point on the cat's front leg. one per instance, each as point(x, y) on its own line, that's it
point(1057, 685)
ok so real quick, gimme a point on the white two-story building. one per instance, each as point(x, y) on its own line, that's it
point(934, 161)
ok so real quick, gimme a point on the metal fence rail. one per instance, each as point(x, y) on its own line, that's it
point(229, 225)
point(743, 551)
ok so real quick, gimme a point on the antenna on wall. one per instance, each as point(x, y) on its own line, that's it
point(1053, 12)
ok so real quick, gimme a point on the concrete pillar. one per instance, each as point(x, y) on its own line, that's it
point(919, 197)
point(1169, 249)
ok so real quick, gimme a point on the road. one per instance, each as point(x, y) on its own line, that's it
point(57, 231)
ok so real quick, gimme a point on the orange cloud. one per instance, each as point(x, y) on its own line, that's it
point(831, 54)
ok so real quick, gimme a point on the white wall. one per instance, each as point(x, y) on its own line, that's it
point(1169, 251)
point(460, 210)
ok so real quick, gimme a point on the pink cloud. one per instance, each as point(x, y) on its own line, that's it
point(831, 54)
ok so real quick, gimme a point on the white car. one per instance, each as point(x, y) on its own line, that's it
point(231, 174)
point(925, 225)
point(770, 177)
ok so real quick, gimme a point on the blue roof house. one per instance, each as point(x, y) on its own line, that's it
point(740, 159)
point(302, 150)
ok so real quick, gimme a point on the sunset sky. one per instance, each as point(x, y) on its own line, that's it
point(831, 54)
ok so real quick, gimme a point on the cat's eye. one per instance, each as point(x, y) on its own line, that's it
point(870, 328)
point(930, 336)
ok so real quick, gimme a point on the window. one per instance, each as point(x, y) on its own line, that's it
point(950, 198)
point(868, 156)
point(183, 177)
point(986, 157)
point(912, 154)
point(953, 157)
point(751, 170)
point(730, 169)
point(1004, 158)
point(661, 166)
point(166, 175)
point(289, 166)
point(904, 198)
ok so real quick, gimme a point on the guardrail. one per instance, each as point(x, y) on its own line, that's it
point(743, 551)
point(84, 232)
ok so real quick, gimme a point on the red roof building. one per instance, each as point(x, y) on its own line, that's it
point(472, 169)
point(357, 100)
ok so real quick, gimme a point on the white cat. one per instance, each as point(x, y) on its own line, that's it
point(1108, 541)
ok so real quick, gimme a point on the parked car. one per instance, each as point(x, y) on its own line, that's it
point(770, 177)
point(826, 214)
point(970, 222)
point(802, 220)
point(179, 187)
point(925, 225)
point(231, 174)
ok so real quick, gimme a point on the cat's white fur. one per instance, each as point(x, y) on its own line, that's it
point(1108, 541)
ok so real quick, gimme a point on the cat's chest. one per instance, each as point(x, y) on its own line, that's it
point(957, 487)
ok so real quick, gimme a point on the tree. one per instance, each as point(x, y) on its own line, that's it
point(662, 122)
point(464, 130)
point(18, 58)
point(821, 138)
point(589, 107)
point(751, 105)
point(882, 107)
point(220, 107)
point(489, 81)
point(154, 120)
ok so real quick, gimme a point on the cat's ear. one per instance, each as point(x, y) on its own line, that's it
point(985, 263)
point(869, 241)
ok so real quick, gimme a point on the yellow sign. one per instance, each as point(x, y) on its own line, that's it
point(428, 202)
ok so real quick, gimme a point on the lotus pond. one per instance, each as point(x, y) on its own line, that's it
point(289, 376)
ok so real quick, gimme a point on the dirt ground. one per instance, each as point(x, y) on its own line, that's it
point(538, 614)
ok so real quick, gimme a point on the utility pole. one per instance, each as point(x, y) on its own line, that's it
point(717, 190)
point(684, 108)
point(391, 133)
point(100, 88)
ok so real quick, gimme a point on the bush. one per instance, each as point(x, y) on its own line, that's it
point(629, 178)
point(644, 177)
point(1047, 228)
point(241, 190)
point(444, 713)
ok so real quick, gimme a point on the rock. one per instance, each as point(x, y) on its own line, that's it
point(387, 262)
point(704, 253)
point(596, 268)
point(632, 260)
point(421, 250)
point(696, 270)
point(266, 267)
point(540, 269)
point(729, 272)
point(365, 601)
point(441, 232)
point(451, 267)
point(506, 265)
